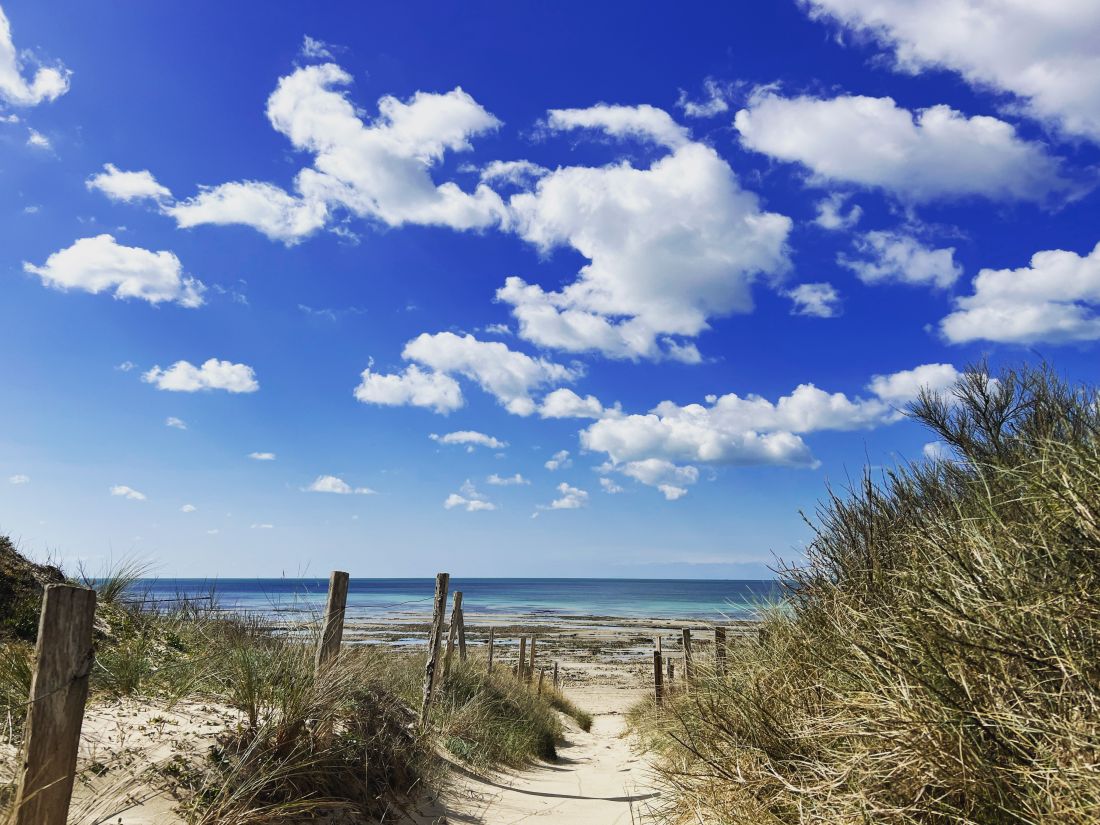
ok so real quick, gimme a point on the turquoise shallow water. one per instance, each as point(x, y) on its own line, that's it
point(390, 599)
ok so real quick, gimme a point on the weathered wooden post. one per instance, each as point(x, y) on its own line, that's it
point(542, 675)
point(452, 631)
point(522, 656)
point(671, 671)
point(489, 667)
point(439, 605)
point(556, 682)
point(658, 676)
point(462, 635)
point(720, 652)
point(332, 627)
point(531, 666)
point(689, 670)
point(59, 688)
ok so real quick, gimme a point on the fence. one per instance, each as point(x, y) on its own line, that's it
point(664, 668)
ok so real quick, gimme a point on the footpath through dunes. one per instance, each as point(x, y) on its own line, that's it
point(599, 778)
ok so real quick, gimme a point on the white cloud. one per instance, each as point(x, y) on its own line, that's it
point(127, 492)
point(471, 438)
point(570, 498)
point(507, 481)
point(177, 423)
point(667, 477)
point(126, 366)
point(514, 172)
point(37, 140)
point(609, 486)
point(559, 461)
point(564, 403)
point(830, 214)
point(413, 387)
point(892, 256)
point(49, 82)
point(871, 141)
point(183, 376)
point(334, 484)
point(128, 186)
point(19, 479)
point(315, 49)
point(188, 508)
point(262, 526)
point(469, 499)
point(1054, 299)
point(936, 451)
point(1043, 52)
point(817, 300)
point(715, 102)
point(902, 387)
point(379, 170)
point(213, 532)
point(100, 264)
point(685, 214)
point(262, 456)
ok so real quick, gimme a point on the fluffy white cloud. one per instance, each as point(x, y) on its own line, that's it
point(564, 403)
point(379, 170)
point(936, 451)
point(559, 461)
point(262, 456)
point(662, 447)
point(514, 172)
point(37, 140)
point(871, 141)
point(831, 214)
point(335, 484)
point(183, 376)
point(818, 300)
point(123, 491)
point(892, 256)
point(469, 499)
point(685, 214)
point(570, 498)
point(48, 83)
point(1055, 299)
point(19, 479)
point(315, 49)
point(1043, 52)
point(188, 508)
point(507, 481)
point(471, 438)
point(714, 103)
point(176, 423)
point(128, 186)
point(100, 264)
point(412, 387)
point(609, 486)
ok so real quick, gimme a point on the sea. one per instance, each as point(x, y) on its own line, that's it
point(406, 600)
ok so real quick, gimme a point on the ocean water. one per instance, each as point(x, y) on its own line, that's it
point(411, 599)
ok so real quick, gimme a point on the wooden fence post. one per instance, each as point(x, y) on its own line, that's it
point(452, 631)
point(332, 628)
point(671, 670)
point(522, 656)
point(556, 683)
point(63, 660)
point(658, 677)
point(489, 667)
point(439, 605)
point(531, 666)
point(462, 635)
point(720, 651)
point(689, 671)
point(542, 675)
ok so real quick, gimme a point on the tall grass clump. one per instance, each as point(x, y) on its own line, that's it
point(937, 658)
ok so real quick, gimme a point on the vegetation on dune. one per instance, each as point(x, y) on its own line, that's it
point(939, 658)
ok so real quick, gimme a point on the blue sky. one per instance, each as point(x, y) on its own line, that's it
point(516, 289)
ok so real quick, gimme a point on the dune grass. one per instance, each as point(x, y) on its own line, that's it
point(938, 660)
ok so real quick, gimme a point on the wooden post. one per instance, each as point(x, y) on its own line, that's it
point(522, 655)
point(59, 687)
point(688, 669)
point(531, 665)
point(452, 631)
point(658, 677)
point(556, 683)
point(462, 635)
point(439, 605)
point(542, 675)
point(720, 652)
point(332, 627)
point(489, 667)
point(671, 670)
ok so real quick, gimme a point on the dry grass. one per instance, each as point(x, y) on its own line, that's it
point(938, 660)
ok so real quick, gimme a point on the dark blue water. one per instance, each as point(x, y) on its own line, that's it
point(409, 599)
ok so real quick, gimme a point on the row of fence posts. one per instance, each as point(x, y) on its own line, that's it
point(665, 670)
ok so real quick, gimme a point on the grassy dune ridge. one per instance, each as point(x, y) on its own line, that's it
point(940, 658)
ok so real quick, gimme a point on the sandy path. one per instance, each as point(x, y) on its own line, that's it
point(597, 780)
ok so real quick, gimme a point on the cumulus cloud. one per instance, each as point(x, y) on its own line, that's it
point(411, 387)
point(379, 169)
point(130, 493)
point(936, 451)
point(871, 141)
point(188, 508)
point(569, 498)
point(610, 486)
point(507, 481)
point(900, 388)
point(559, 461)
point(262, 456)
point(831, 214)
point(817, 300)
point(564, 403)
point(183, 376)
point(685, 214)
point(471, 438)
point(337, 485)
point(19, 479)
point(468, 499)
point(48, 83)
point(1054, 299)
point(176, 423)
point(893, 256)
point(1045, 53)
point(713, 103)
point(128, 186)
point(37, 140)
point(514, 172)
point(100, 264)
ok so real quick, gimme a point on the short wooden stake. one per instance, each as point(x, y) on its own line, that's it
point(332, 628)
point(522, 656)
point(462, 635)
point(556, 683)
point(720, 652)
point(452, 631)
point(435, 638)
point(689, 670)
point(542, 675)
point(671, 670)
point(59, 687)
point(658, 678)
point(531, 665)
point(489, 667)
